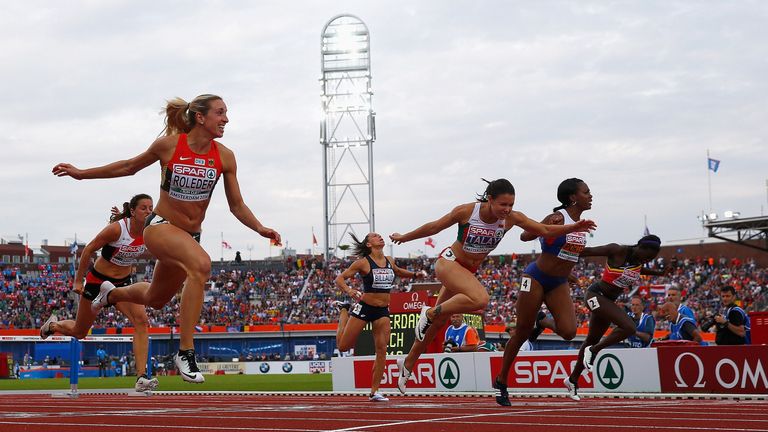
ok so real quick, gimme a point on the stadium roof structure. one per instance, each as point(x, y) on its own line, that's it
point(745, 229)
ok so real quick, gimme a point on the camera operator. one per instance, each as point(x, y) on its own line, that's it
point(732, 324)
point(460, 337)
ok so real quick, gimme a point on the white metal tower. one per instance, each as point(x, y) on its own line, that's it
point(347, 131)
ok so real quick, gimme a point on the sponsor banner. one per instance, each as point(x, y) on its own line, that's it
point(408, 302)
point(308, 351)
point(404, 310)
point(433, 372)
point(287, 367)
point(718, 369)
point(227, 367)
point(532, 370)
point(630, 370)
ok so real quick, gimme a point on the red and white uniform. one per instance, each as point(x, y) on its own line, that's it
point(126, 250)
point(190, 176)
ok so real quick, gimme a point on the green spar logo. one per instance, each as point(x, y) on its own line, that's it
point(449, 373)
point(610, 371)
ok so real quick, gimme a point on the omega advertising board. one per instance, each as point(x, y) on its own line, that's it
point(714, 369)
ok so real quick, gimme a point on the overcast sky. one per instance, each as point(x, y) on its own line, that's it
point(625, 95)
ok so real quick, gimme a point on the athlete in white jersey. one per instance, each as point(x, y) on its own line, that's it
point(121, 243)
point(481, 227)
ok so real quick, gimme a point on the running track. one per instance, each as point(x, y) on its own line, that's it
point(121, 413)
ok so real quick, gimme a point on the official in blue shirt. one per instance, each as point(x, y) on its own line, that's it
point(675, 296)
point(645, 324)
point(681, 327)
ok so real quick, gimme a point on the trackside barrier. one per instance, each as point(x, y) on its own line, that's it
point(75, 354)
point(712, 370)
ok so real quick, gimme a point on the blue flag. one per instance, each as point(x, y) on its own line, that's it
point(714, 164)
point(73, 249)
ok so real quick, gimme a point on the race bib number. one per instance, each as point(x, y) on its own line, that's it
point(448, 254)
point(525, 284)
point(356, 309)
point(593, 303)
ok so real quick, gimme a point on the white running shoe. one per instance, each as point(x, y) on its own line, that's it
point(45, 330)
point(404, 374)
point(185, 361)
point(573, 389)
point(100, 301)
point(378, 397)
point(144, 384)
point(423, 325)
point(589, 358)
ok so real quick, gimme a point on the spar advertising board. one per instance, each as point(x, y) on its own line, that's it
point(531, 371)
point(716, 369)
point(629, 370)
point(432, 372)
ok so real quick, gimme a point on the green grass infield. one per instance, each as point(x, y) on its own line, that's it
point(288, 382)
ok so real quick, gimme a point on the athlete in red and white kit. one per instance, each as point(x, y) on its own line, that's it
point(121, 243)
point(191, 164)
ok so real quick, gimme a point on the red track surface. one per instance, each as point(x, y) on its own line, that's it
point(346, 413)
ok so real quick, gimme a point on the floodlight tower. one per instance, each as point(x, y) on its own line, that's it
point(347, 130)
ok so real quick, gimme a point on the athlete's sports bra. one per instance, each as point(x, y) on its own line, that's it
point(567, 247)
point(126, 250)
point(478, 236)
point(190, 176)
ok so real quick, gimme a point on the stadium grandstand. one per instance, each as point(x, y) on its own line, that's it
point(300, 290)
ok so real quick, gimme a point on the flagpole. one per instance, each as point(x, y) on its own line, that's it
point(709, 182)
point(646, 231)
point(222, 247)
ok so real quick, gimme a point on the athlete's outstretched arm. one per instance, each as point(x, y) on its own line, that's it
point(120, 168)
point(109, 234)
point(431, 228)
point(235, 199)
point(611, 249)
point(543, 230)
point(553, 219)
point(403, 273)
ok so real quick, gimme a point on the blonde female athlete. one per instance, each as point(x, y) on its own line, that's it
point(191, 163)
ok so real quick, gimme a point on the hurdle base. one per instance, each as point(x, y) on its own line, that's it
point(67, 395)
point(140, 394)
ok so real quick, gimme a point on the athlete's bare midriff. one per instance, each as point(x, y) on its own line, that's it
point(187, 215)
point(466, 259)
point(111, 269)
point(554, 266)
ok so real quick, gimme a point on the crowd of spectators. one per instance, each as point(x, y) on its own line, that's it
point(305, 293)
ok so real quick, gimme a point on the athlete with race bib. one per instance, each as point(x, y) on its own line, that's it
point(623, 268)
point(378, 273)
point(121, 243)
point(191, 164)
point(481, 227)
point(546, 279)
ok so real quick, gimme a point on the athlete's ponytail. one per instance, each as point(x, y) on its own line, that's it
point(567, 188)
point(360, 248)
point(180, 115)
point(495, 189)
point(127, 207)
